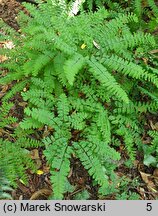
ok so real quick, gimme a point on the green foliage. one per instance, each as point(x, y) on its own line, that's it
point(17, 160)
point(83, 195)
point(84, 78)
point(151, 151)
point(153, 7)
point(126, 189)
point(4, 186)
point(5, 118)
point(147, 12)
point(138, 7)
point(14, 158)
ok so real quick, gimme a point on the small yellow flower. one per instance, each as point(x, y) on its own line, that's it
point(39, 172)
point(83, 46)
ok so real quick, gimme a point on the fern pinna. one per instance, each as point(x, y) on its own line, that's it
point(4, 186)
point(82, 74)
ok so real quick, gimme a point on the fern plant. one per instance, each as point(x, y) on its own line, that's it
point(14, 158)
point(17, 160)
point(146, 11)
point(82, 77)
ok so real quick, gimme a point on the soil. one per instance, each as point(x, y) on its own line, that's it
point(9, 10)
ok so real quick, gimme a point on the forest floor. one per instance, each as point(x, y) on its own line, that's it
point(39, 186)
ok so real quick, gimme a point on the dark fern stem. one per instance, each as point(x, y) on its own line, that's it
point(29, 1)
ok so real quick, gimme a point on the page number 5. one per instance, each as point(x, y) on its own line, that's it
point(149, 206)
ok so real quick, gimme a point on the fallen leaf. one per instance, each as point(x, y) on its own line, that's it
point(156, 126)
point(9, 45)
point(3, 58)
point(153, 51)
point(41, 193)
point(22, 104)
point(70, 173)
point(1, 94)
point(155, 173)
point(38, 163)
point(147, 178)
point(34, 154)
point(153, 126)
point(4, 88)
point(21, 197)
point(155, 176)
point(96, 45)
point(46, 169)
point(141, 191)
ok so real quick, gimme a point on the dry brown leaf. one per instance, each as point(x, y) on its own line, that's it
point(153, 51)
point(9, 45)
point(34, 154)
point(146, 140)
point(153, 126)
point(1, 95)
point(70, 173)
point(15, 125)
point(147, 178)
point(141, 191)
point(3, 58)
point(22, 104)
point(41, 193)
point(156, 126)
point(46, 169)
point(38, 163)
point(2, 43)
point(4, 88)
point(155, 173)
point(155, 176)
point(21, 197)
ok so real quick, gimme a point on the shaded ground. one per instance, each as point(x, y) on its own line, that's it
point(9, 10)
